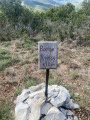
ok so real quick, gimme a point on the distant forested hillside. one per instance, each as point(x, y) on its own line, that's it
point(72, 1)
point(58, 23)
point(44, 4)
point(47, 3)
point(41, 1)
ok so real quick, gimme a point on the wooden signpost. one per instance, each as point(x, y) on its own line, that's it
point(47, 59)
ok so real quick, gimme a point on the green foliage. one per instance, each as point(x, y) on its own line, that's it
point(5, 112)
point(60, 22)
point(3, 19)
point(26, 16)
point(86, 7)
point(6, 43)
point(4, 52)
point(16, 20)
point(18, 91)
point(54, 81)
point(6, 60)
point(12, 9)
point(29, 81)
point(35, 57)
point(27, 43)
point(47, 31)
point(60, 13)
point(74, 75)
point(87, 38)
point(76, 98)
point(61, 35)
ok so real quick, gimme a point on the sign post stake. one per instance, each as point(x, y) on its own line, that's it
point(46, 88)
point(47, 59)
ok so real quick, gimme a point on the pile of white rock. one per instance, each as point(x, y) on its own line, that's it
point(31, 104)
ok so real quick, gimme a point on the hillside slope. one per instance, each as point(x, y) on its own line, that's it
point(41, 5)
point(41, 1)
point(72, 1)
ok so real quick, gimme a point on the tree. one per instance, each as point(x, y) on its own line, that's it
point(12, 9)
point(36, 21)
point(27, 16)
point(70, 7)
point(86, 7)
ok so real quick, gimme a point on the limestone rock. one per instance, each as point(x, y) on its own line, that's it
point(76, 94)
point(71, 105)
point(36, 88)
point(75, 118)
point(24, 95)
point(31, 104)
point(58, 95)
point(63, 111)
point(35, 109)
point(35, 105)
point(69, 113)
point(59, 100)
point(54, 114)
point(22, 111)
point(75, 106)
point(45, 108)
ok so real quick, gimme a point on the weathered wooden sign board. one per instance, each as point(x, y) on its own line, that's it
point(47, 55)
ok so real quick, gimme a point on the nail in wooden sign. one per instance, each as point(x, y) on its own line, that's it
point(47, 55)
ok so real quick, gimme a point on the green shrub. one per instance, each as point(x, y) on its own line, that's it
point(74, 75)
point(29, 81)
point(6, 60)
point(6, 43)
point(18, 91)
point(54, 81)
point(27, 43)
point(3, 52)
point(5, 110)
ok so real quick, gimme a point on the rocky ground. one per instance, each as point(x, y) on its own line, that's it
point(73, 72)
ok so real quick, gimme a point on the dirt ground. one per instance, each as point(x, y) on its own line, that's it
point(73, 72)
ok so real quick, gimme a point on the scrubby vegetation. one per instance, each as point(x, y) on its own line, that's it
point(20, 31)
point(58, 23)
point(6, 60)
point(5, 110)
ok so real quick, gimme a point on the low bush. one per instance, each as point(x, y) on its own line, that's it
point(6, 59)
point(5, 110)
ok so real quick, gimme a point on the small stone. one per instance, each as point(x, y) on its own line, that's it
point(72, 105)
point(69, 113)
point(76, 106)
point(75, 118)
point(76, 94)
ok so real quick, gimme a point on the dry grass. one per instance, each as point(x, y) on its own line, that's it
point(73, 72)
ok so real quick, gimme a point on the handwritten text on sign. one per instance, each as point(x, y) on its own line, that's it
point(47, 55)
